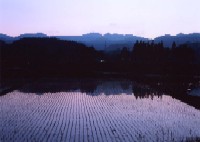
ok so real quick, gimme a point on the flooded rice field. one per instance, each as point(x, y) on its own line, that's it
point(99, 111)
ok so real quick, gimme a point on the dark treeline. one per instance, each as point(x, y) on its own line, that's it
point(154, 58)
point(45, 57)
point(50, 57)
point(149, 58)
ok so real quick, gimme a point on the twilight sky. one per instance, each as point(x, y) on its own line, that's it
point(148, 18)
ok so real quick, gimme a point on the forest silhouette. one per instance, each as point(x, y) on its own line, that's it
point(51, 57)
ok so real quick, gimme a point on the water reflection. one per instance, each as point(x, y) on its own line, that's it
point(187, 92)
point(93, 87)
point(88, 86)
point(195, 92)
point(95, 110)
point(96, 87)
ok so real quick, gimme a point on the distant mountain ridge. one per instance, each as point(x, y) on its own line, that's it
point(179, 39)
point(106, 41)
point(10, 39)
point(115, 41)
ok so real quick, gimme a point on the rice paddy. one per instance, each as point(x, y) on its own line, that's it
point(112, 112)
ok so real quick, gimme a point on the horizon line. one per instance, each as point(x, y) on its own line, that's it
point(167, 34)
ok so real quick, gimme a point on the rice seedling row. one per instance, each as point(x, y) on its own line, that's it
point(82, 117)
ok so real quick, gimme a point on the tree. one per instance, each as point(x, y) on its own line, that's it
point(173, 45)
point(124, 54)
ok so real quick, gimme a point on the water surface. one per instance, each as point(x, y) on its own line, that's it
point(95, 110)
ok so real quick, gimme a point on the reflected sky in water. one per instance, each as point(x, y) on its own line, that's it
point(93, 110)
point(92, 87)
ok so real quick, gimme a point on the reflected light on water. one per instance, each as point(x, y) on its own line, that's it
point(109, 113)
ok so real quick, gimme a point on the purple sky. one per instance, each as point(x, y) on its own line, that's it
point(149, 18)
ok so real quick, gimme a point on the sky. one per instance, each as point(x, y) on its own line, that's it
point(147, 18)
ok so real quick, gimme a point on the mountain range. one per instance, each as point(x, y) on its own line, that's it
point(110, 42)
